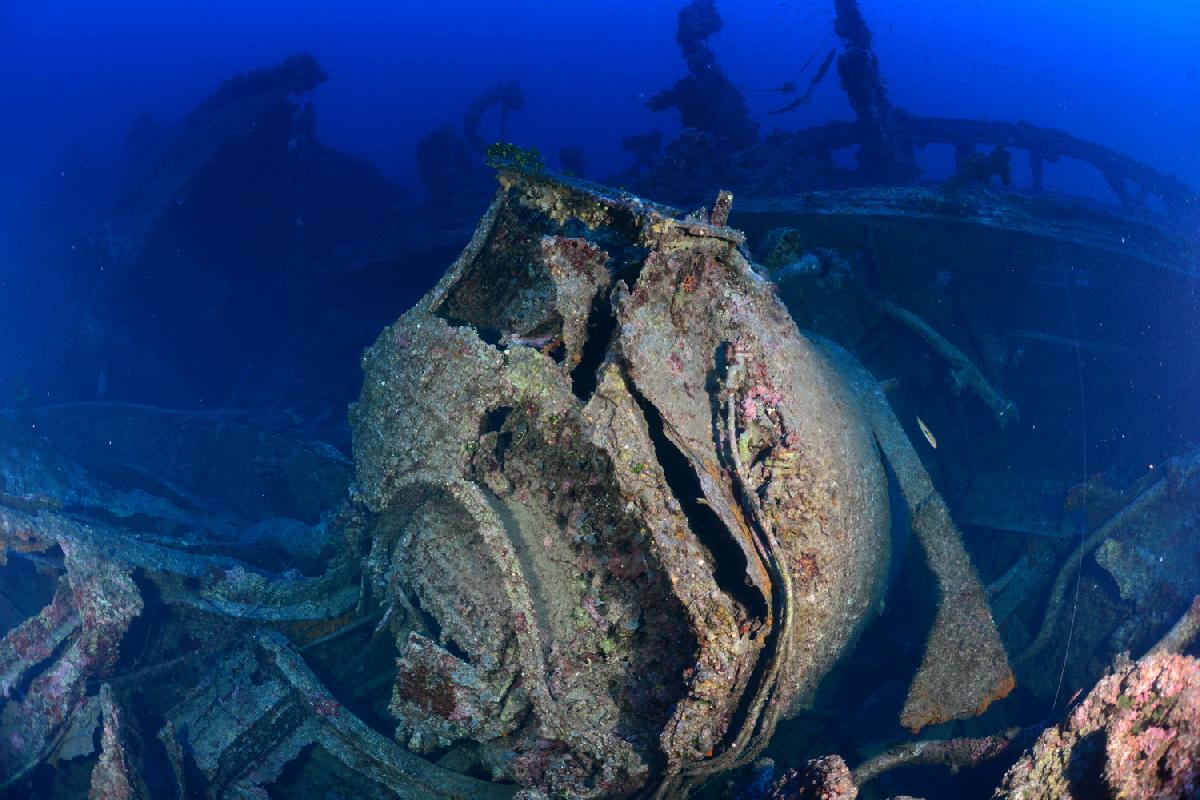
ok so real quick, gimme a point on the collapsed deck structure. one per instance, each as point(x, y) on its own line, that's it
point(637, 494)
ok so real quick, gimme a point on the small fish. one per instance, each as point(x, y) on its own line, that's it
point(928, 434)
point(531, 341)
point(544, 342)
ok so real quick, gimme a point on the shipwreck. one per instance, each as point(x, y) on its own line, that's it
point(654, 490)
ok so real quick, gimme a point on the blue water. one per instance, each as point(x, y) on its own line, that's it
point(243, 290)
point(1121, 74)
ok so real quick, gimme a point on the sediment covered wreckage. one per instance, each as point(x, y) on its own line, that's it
point(623, 499)
point(668, 502)
point(613, 516)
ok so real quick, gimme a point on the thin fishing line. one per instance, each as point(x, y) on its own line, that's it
point(1083, 436)
point(804, 68)
point(816, 52)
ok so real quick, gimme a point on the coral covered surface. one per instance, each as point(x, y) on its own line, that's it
point(1135, 735)
point(631, 501)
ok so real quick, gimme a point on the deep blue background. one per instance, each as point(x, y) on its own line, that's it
point(76, 73)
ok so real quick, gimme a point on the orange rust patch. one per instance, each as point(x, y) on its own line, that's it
point(754, 565)
point(310, 630)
